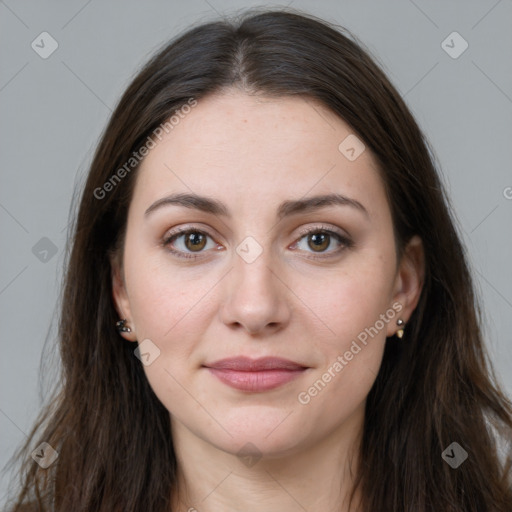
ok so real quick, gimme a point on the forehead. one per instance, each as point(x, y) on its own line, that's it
point(252, 150)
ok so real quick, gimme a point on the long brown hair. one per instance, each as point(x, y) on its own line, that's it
point(434, 387)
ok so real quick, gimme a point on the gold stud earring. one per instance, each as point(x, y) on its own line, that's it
point(400, 331)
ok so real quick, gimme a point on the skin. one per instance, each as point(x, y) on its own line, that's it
point(252, 153)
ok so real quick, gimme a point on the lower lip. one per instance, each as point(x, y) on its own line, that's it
point(257, 381)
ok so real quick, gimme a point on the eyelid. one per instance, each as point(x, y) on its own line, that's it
point(345, 241)
point(184, 230)
point(322, 227)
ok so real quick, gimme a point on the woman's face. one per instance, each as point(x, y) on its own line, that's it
point(289, 254)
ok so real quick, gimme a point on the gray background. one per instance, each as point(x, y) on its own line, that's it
point(53, 111)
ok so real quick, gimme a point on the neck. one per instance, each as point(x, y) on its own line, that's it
point(318, 477)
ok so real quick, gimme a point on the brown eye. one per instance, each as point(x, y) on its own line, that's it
point(318, 242)
point(323, 242)
point(195, 241)
point(188, 243)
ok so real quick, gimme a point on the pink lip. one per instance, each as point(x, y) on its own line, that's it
point(255, 375)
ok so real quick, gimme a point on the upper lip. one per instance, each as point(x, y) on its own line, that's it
point(246, 364)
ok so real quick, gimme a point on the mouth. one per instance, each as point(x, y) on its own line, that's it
point(255, 375)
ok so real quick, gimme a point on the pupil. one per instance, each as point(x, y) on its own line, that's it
point(196, 239)
point(319, 241)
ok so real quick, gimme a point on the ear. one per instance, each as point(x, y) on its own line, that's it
point(120, 297)
point(409, 281)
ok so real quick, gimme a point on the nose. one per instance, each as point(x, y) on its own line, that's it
point(256, 298)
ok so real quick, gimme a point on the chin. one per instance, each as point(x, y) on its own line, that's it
point(275, 434)
point(256, 446)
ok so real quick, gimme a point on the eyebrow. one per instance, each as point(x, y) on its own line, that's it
point(286, 208)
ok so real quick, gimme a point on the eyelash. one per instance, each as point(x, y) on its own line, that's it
point(345, 242)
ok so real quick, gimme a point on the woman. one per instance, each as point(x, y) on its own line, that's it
point(267, 305)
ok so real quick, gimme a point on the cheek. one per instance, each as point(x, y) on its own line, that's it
point(355, 305)
point(356, 309)
point(351, 300)
point(168, 306)
point(164, 296)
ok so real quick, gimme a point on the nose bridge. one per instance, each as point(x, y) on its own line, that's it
point(255, 298)
point(254, 269)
